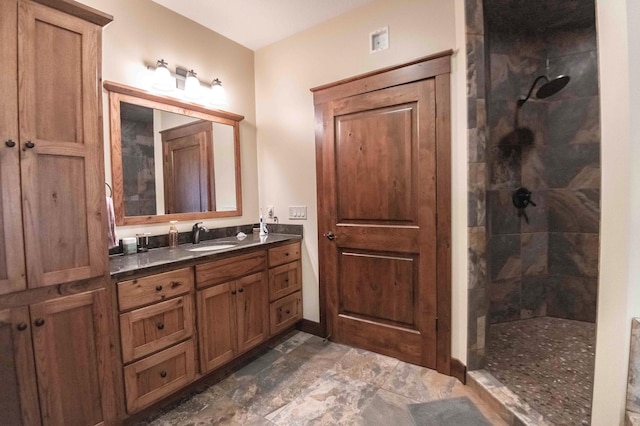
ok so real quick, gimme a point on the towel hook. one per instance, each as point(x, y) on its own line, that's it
point(110, 190)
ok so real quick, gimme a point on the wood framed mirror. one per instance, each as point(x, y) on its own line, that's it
point(171, 160)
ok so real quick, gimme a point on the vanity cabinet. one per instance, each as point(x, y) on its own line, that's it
point(285, 287)
point(156, 335)
point(64, 383)
point(232, 303)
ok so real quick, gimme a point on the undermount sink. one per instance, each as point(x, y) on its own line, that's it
point(213, 246)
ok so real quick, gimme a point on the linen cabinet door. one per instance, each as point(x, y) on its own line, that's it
point(252, 305)
point(19, 401)
point(71, 346)
point(216, 325)
point(62, 169)
point(12, 277)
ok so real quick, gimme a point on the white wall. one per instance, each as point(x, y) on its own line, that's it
point(618, 23)
point(143, 32)
point(286, 70)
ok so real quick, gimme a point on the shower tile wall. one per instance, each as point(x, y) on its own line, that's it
point(549, 265)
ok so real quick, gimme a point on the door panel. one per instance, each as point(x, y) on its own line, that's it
point(216, 326)
point(252, 306)
point(379, 192)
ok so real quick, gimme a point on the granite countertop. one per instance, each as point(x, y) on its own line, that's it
point(120, 265)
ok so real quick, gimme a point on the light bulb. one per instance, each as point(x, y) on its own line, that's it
point(192, 89)
point(162, 80)
point(218, 95)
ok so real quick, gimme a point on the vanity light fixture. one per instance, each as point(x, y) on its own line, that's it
point(162, 79)
point(218, 94)
point(192, 88)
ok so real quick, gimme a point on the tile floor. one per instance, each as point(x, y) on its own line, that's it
point(548, 363)
point(305, 380)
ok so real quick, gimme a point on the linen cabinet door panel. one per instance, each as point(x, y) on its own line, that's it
point(12, 277)
point(216, 325)
point(155, 327)
point(252, 305)
point(19, 401)
point(61, 165)
point(72, 353)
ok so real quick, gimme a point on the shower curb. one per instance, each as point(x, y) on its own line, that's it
point(513, 410)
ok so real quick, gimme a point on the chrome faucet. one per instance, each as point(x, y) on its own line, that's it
point(195, 232)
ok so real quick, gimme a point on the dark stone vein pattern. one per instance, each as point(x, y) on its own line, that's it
point(548, 363)
point(633, 389)
point(308, 381)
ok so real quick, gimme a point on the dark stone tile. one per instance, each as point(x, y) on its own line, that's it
point(512, 75)
point(573, 166)
point(574, 210)
point(572, 298)
point(501, 121)
point(447, 412)
point(563, 42)
point(534, 297)
point(504, 257)
point(477, 326)
point(503, 215)
point(478, 135)
point(534, 168)
point(477, 257)
point(582, 68)
point(534, 248)
point(474, 16)
point(505, 171)
point(574, 254)
point(533, 124)
point(538, 215)
point(476, 66)
point(574, 121)
point(504, 301)
point(472, 120)
point(518, 44)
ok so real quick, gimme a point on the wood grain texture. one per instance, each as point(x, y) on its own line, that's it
point(150, 329)
point(252, 310)
point(79, 10)
point(217, 335)
point(459, 370)
point(154, 288)
point(219, 271)
point(12, 267)
point(285, 279)
point(284, 254)
point(413, 220)
point(285, 312)
point(157, 376)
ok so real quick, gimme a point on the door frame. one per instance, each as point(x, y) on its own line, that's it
point(438, 67)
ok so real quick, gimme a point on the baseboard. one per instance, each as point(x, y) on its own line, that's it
point(458, 370)
point(311, 327)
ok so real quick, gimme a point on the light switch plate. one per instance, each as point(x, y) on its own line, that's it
point(298, 212)
point(379, 40)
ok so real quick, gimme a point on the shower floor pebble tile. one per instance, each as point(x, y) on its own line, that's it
point(548, 363)
point(308, 381)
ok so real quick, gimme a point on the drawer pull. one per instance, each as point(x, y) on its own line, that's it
point(163, 374)
point(286, 254)
point(158, 288)
point(10, 143)
point(175, 284)
point(22, 326)
point(287, 312)
point(160, 326)
point(241, 290)
point(39, 322)
point(286, 280)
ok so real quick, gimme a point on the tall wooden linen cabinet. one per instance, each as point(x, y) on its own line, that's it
point(55, 347)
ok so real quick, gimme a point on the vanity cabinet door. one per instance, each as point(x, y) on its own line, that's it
point(252, 307)
point(60, 145)
point(217, 325)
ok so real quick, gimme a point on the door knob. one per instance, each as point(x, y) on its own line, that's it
point(330, 236)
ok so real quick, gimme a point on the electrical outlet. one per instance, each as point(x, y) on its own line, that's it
point(270, 214)
point(298, 212)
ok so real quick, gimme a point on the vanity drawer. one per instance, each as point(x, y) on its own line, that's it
point(147, 330)
point(155, 377)
point(220, 271)
point(153, 288)
point(284, 280)
point(284, 254)
point(285, 312)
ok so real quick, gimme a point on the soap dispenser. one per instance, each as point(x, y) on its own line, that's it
point(173, 234)
point(263, 226)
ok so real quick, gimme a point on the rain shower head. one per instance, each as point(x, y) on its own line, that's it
point(549, 88)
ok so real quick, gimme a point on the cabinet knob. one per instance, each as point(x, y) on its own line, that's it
point(29, 144)
point(160, 326)
point(241, 290)
point(233, 292)
point(10, 143)
point(158, 288)
point(286, 280)
point(39, 322)
point(287, 312)
point(163, 374)
point(22, 326)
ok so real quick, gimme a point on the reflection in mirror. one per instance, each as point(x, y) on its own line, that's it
point(172, 159)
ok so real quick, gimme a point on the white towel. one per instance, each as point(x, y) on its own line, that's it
point(112, 238)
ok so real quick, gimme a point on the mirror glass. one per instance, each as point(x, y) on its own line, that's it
point(172, 163)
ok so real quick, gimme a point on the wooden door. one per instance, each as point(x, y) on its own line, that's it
point(187, 167)
point(378, 210)
point(252, 308)
point(12, 270)
point(72, 353)
point(19, 401)
point(216, 325)
point(62, 168)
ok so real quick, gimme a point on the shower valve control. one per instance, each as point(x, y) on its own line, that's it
point(522, 198)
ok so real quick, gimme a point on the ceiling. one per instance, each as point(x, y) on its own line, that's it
point(258, 23)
